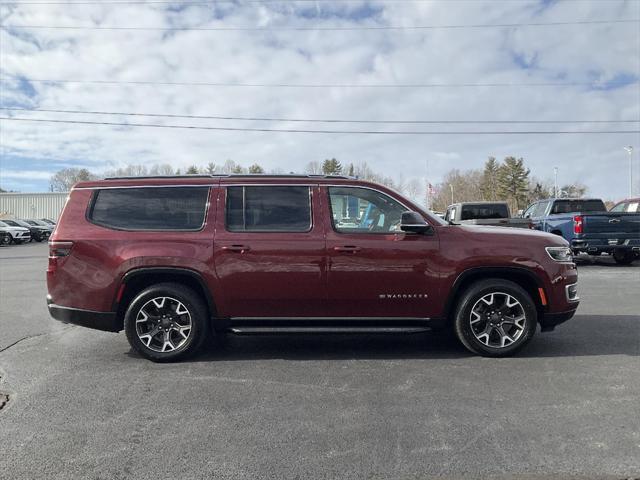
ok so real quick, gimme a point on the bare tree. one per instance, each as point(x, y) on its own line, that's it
point(313, 168)
point(64, 179)
point(414, 189)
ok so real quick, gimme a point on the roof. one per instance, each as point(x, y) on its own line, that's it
point(194, 180)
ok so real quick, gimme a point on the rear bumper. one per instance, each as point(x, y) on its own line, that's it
point(550, 320)
point(600, 245)
point(105, 321)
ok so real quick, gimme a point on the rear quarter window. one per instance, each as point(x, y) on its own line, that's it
point(578, 206)
point(150, 208)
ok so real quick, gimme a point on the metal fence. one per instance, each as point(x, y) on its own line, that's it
point(32, 205)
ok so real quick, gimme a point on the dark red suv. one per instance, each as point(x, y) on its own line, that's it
point(173, 259)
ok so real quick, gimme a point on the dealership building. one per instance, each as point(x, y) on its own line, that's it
point(32, 205)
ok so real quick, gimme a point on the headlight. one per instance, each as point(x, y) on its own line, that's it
point(560, 254)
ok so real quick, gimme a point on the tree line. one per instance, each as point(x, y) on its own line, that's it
point(509, 180)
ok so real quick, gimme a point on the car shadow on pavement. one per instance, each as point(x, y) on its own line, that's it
point(585, 335)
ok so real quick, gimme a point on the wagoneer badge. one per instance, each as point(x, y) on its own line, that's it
point(403, 295)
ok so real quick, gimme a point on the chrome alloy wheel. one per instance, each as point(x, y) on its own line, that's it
point(497, 320)
point(163, 324)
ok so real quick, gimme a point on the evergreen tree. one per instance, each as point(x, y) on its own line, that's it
point(331, 167)
point(255, 168)
point(351, 170)
point(237, 169)
point(513, 182)
point(192, 170)
point(489, 182)
point(211, 168)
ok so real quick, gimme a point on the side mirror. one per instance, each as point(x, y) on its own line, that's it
point(412, 222)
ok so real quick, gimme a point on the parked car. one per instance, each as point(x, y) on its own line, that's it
point(588, 227)
point(5, 238)
point(48, 221)
point(171, 259)
point(18, 234)
point(38, 232)
point(484, 213)
point(45, 228)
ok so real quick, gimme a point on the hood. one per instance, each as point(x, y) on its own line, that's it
point(10, 228)
point(487, 233)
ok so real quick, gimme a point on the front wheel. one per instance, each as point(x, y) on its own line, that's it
point(495, 318)
point(623, 257)
point(166, 322)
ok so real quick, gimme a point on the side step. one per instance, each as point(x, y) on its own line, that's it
point(320, 330)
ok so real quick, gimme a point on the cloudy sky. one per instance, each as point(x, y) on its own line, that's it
point(566, 71)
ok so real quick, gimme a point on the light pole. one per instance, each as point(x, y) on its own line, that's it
point(555, 182)
point(629, 150)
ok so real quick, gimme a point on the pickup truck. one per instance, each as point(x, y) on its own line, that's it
point(485, 214)
point(588, 227)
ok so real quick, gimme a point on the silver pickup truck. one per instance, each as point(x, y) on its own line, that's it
point(484, 213)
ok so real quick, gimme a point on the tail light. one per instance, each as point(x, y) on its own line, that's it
point(58, 250)
point(577, 224)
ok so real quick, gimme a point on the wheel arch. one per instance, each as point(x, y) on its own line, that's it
point(520, 276)
point(136, 280)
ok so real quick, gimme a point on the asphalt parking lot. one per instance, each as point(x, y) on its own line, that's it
point(82, 405)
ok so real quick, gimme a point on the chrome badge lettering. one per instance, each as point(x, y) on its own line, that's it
point(402, 295)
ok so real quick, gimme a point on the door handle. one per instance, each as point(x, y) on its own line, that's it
point(236, 248)
point(347, 249)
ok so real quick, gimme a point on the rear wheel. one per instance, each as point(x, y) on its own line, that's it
point(166, 322)
point(623, 257)
point(495, 318)
point(5, 240)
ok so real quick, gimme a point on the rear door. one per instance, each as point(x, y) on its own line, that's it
point(374, 269)
point(269, 251)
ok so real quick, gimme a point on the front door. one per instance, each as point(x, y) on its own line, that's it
point(270, 252)
point(375, 269)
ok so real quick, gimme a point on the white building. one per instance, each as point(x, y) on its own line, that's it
point(32, 205)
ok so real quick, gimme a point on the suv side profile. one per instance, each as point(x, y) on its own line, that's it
point(172, 260)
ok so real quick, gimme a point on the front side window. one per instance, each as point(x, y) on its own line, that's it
point(150, 208)
point(528, 213)
point(268, 209)
point(360, 210)
point(540, 209)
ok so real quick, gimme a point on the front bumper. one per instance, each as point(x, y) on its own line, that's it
point(549, 321)
point(105, 321)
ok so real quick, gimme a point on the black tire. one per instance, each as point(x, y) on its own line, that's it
point(6, 240)
point(623, 257)
point(520, 334)
point(16, 242)
point(197, 315)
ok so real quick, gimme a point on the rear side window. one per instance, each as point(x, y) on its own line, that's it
point(268, 209)
point(578, 206)
point(483, 212)
point(150, 208)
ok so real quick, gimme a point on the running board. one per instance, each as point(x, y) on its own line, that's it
point(320, 330)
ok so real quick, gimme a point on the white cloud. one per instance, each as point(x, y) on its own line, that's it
point(579, 53)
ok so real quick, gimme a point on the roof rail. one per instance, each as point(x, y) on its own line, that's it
point(245, 175)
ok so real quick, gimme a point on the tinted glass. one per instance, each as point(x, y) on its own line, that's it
point(153, 208)
point(268, 209)
point(360, 210)
point(495, 210)
point(12, 223)
point(579, 206)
